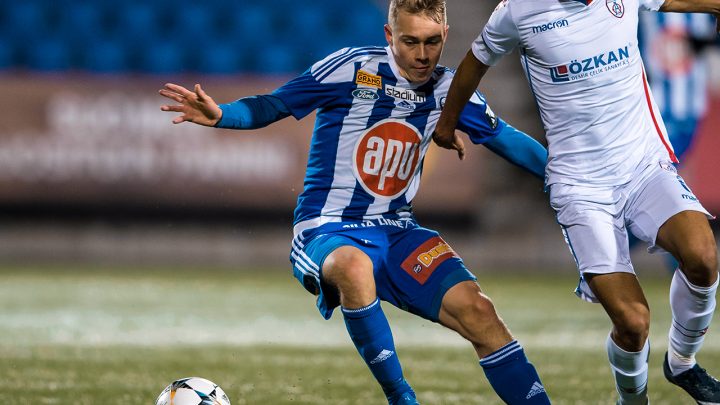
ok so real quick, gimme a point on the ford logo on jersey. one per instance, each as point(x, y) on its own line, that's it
point(365, 94)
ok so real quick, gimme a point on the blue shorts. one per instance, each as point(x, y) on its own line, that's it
point(414, 267)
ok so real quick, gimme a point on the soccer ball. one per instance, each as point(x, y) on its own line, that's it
point(193, 391)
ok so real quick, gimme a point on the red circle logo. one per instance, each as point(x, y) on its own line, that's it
point(386, 157)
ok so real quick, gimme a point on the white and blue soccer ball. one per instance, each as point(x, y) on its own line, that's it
point(193, 391)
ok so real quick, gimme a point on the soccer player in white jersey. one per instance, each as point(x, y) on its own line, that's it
point(610, 166)
point(356, 240)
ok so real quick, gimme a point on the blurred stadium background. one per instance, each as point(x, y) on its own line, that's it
point(93, 174)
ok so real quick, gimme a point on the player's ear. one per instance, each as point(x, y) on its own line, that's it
point(388, 34)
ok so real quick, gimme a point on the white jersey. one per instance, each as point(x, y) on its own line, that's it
point(584, 67)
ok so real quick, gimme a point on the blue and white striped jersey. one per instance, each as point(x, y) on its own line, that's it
point(371, 134)
point(677, 75)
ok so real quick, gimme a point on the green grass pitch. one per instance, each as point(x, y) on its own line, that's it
point(119, 336)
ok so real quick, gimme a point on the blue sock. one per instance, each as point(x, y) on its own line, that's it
point(512, 376)
point(369, 330)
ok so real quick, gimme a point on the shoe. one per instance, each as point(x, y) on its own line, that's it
point(407, 398)
point(703, 387)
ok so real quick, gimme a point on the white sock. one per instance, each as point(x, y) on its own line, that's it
point(692, 311)
point(631, 373)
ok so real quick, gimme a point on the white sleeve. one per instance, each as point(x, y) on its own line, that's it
point(499, 37)
point(651, 5)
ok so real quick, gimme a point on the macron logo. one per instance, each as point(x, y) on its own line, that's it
point(384, 355)
point(536, 388)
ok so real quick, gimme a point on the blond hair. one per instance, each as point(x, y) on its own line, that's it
point(436, 10)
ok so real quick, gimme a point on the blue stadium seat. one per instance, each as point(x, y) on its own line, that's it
point(254, 24)
point(7, 55)
point(194, 22)
point(139, 22)
point(80, 22)
point(221, 57)
point(50, 54)
point(105, 56)
point(277, 58)
point(24, 20)
point(162, 57)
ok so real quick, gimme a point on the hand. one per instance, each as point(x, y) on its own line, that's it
point(195, 106)
point(449, 140)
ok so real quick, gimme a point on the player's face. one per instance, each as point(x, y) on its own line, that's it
point(417, 43)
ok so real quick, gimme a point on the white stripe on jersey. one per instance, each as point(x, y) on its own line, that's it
point(343, 185)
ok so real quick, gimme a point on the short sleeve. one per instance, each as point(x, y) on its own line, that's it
point(479, 121)
point(499, 37)
point(651, 5)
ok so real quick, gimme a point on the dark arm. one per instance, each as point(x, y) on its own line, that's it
point(462, 88)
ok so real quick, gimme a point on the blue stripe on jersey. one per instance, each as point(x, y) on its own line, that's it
point(320, 77)
point(419, 119)
point(382, 109)
point(325, 140)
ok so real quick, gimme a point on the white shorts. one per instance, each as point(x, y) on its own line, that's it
point(595, 220)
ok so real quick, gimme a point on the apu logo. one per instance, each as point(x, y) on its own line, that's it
point(365, 94)
point(386, 157)
point(578, 69)
point(616, 7)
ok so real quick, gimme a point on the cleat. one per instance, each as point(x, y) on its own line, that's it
point(407, 398)
point(701, 386)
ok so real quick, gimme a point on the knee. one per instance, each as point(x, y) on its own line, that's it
point(477, 309)
point(632, 328)
point(477, 319)
point(348, 269)
point(700, 265)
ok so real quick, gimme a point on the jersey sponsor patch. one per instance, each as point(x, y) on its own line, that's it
point(368, 79)
point(405, 94)
point(365, 94)
point(421, 263)
point(386, 157)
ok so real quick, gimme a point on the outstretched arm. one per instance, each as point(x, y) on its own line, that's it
point(196, 106)
point(463, 85)
point(246, 113)
point(520, 149)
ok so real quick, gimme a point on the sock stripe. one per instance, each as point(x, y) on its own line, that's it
point(358, 310)
point(691, 333)
point(501, 353)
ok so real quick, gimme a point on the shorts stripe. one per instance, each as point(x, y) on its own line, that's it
point(305, 271)
point(304, 264)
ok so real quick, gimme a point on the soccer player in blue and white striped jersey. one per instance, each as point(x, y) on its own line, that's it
point(356, 241)
point(671, 45)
